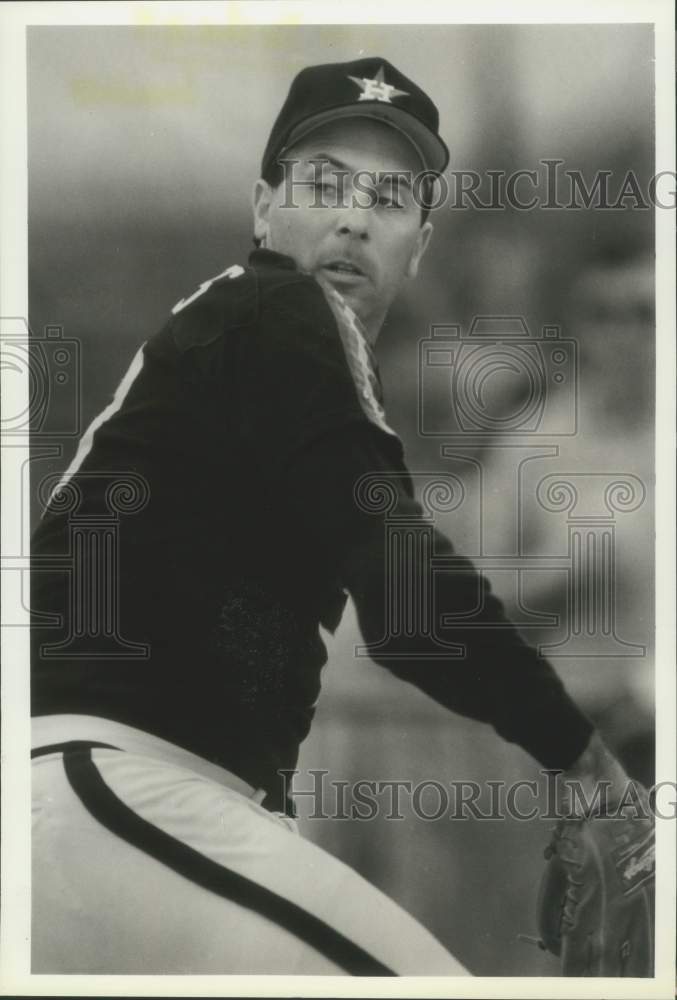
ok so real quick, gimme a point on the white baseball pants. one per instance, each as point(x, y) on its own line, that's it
point(149, 859)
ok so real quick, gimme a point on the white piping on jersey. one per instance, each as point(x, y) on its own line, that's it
point(87, 439)
point(231, 272)
point(354, 342)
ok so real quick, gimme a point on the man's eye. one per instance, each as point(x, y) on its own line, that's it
point(388, 201)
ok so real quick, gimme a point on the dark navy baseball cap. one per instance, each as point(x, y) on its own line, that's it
point(365, 88)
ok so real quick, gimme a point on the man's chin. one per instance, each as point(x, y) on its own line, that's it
point(352, 287)
point(355, 301)
point(354, 294)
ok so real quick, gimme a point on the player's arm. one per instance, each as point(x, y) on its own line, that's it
point(499, 679)
point(595, 768)
point(312, 441)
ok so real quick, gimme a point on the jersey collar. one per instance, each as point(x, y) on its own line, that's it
point(261, 257)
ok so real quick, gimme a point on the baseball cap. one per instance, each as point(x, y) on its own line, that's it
point(365, 88)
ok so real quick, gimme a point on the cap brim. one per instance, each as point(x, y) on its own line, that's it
point(432, 152)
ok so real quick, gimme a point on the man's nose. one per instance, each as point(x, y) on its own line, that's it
point(353, 221)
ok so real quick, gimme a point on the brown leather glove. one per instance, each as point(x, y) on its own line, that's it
point(596, 898)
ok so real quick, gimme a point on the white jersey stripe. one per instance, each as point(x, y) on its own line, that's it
point(87, 439)
point(231, 272)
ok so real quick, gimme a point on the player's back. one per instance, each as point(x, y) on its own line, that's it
point(188, 602)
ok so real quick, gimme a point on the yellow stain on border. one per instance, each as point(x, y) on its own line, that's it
point(90, 92)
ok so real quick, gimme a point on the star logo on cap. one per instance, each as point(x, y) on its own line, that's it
point(377, 89)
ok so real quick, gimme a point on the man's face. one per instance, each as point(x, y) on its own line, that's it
point(364, 252)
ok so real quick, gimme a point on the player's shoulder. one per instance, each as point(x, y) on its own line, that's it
point(293, 310)
point(270, 286)
point(224, 301)
point(290, 302)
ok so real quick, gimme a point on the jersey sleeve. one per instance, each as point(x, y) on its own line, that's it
point(499, 678)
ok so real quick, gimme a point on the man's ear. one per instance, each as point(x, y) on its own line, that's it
point(261, 201)
point(420, 247)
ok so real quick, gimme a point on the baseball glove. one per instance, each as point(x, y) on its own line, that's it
point(596, 898)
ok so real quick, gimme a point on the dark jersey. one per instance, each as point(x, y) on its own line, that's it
point(209, 525)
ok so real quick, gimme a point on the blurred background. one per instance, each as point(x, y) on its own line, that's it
point(143, 146)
